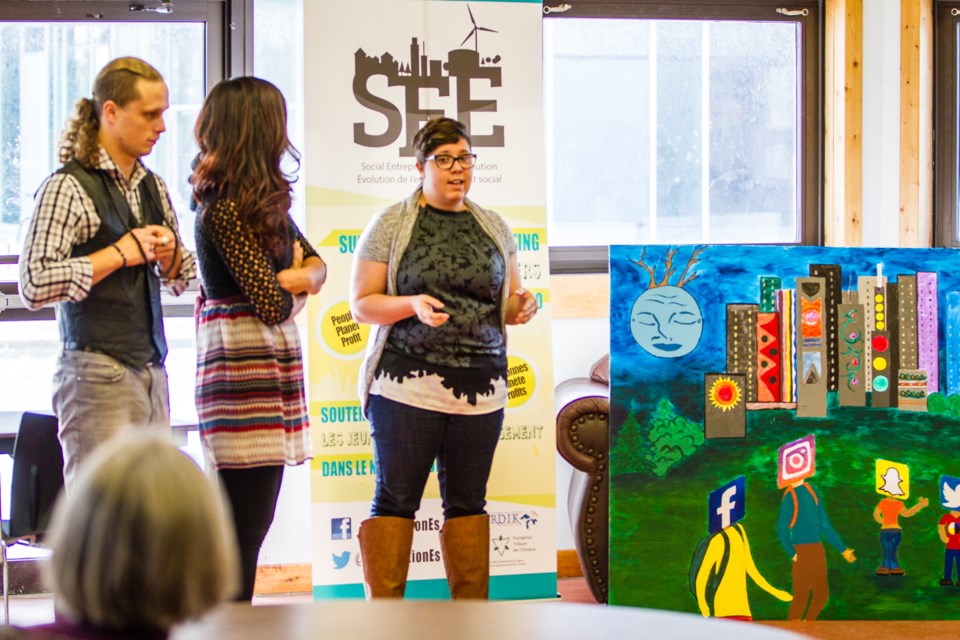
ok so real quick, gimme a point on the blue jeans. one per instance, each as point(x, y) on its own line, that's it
point(890, 541)
point(951, 558)
point(406, 441)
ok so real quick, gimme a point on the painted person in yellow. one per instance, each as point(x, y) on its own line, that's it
point(728, 557)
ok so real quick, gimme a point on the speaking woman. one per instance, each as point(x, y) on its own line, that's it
point(438, 276)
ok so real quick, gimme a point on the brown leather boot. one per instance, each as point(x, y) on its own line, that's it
point(385, 544)
point(465, 543)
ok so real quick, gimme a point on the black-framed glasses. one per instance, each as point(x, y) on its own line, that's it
point(444, 161)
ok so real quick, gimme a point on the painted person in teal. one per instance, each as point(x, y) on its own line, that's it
point(801, 526)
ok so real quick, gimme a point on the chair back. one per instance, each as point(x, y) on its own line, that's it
point(37, 476)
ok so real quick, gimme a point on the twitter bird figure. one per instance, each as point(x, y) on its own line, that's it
point(950, 492)
point(949, 529)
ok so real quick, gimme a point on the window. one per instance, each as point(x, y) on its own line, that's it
point(50, 53)
point(49, 59)
point(946, 185)
point(278, 57)
point(680, 123)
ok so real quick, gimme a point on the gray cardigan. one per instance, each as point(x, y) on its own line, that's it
point(391, 228)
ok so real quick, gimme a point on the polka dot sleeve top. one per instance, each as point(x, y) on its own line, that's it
point(233, 263)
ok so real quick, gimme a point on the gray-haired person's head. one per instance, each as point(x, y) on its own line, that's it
point(142, 540)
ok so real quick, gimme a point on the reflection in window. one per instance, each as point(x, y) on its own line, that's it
point(278, 57)
point(44, 70)
point(672, 131)
point(46, 67)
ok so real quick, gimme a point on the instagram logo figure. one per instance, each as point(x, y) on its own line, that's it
point(796, 461)
point(802, 524)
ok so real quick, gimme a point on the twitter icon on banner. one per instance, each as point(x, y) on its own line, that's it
point(340, 560)
point(950, 493)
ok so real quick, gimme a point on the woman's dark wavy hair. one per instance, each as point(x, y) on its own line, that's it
point(242, 134)
point(436, 133)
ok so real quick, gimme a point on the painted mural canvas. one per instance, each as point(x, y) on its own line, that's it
point(785, 431)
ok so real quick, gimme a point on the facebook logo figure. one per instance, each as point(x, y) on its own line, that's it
point(340, 529)
point(727, 504)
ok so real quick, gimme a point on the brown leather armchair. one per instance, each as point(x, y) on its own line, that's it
point(583, 406)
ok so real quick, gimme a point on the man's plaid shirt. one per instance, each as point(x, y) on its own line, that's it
point(64, 216)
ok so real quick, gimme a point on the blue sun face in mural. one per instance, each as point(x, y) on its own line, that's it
point(666, 322)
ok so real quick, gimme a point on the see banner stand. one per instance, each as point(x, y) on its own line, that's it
point(368, 91)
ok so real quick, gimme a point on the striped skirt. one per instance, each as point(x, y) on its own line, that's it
point(250, 395)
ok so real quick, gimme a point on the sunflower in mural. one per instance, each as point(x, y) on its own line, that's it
point(725, 394)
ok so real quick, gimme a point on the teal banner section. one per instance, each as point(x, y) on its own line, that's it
point(531, 586)
point(527, 586)
point(337, 591)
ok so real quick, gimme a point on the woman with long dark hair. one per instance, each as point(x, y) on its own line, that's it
point(257, 269)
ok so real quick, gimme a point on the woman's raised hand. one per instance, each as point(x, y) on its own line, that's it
point(427, 309)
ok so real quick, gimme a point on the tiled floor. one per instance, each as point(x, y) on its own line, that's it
point(38, 609)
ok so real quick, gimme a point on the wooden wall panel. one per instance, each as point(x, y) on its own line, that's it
point(916, 123)
point(580, 295)
point(843, 123)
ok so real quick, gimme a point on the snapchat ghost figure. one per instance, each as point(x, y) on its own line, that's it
point(666, 322)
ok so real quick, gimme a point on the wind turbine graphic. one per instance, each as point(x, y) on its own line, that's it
point(475, 32)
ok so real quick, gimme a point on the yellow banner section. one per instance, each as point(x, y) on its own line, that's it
point(345, 240)
point(522, 215)
point(342, 336)
point(327, 197)
point(530, 239)
point(542, 296)
point(349, 477)
point(336, 412)
point(343, 465)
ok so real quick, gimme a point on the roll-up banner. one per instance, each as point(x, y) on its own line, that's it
point(375, 72)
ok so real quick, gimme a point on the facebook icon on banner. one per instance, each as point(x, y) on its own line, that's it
point(340, 529)
point(727, 504)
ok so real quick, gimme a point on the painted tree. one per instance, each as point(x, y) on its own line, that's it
point(630, 448)
point(672, 438)
point(940, 404)
point(669, 439)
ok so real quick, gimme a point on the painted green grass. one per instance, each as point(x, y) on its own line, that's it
point(656, 523)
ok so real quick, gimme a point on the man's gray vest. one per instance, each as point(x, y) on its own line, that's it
point(121, 316)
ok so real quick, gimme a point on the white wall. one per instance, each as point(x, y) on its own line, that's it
point(881, 123)
point(289, 539)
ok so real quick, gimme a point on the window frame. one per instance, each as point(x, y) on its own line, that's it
point(946, 147)
point(594, 259)
point(228, 52)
